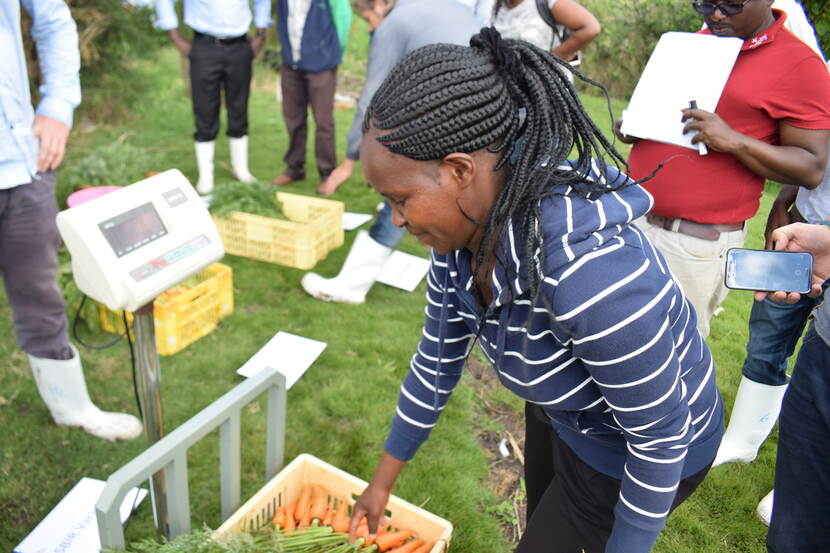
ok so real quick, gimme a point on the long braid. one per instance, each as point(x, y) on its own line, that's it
point(446, 98)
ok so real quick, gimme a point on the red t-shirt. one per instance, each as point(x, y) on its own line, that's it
point(775, 78)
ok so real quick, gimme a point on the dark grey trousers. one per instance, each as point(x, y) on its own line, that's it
point(29, 243)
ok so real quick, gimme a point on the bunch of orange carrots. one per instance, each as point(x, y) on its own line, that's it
point(316, 508)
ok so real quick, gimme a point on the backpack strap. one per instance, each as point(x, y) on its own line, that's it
point(547, 17)
point(544, 13)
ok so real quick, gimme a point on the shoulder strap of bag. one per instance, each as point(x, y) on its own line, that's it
point(547, 17)
point(544, 13)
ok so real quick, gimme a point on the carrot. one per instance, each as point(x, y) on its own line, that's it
point(425, 548)
point(318, 506)
point(392, 539)
point(290, 525)
point(408, 547)
point(363, 532)
point(279, 517)
point(340, 520)
point(305, 521)
point(340, 525)
point(304, 503)
point(329, 515)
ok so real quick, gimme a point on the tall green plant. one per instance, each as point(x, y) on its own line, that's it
point(630, 29)
point(112, 35)
point(819, 13)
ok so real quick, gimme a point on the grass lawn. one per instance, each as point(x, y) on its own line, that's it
point(339, 411)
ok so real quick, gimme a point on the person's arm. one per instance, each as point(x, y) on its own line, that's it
point(800, 157)
point(420, 402)
point(624, 138)
point(262, 20)
point(372, 502)
point(167, 20)
point(779, 213)
point(55, 35)
point(386, 50)
point(388, 47)
point(800, 102)
point(582, 24)
point(803, 237)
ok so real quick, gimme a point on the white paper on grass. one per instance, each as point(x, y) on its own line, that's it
point(353, 220)
point(683, 67)
point(403, 270)
point(71, 526)
point(290, 354)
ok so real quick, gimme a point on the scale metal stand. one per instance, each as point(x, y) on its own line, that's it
point(127, 247)
point(148, 382)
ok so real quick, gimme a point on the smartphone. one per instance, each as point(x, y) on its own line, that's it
point(768, 271)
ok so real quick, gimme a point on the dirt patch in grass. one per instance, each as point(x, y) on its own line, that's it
point(505, 474)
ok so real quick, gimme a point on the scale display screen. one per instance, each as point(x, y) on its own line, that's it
point(133, 229)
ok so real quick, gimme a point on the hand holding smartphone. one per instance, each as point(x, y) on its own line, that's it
point(768, 271)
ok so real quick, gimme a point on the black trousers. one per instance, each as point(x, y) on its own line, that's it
point(570, 506)
point(214, 66)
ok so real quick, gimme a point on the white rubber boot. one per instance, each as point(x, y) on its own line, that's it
point(754, 414)
point(63, 389)
point(239, 159)
point(359, 271)
point(204, 161)
point(764, 509)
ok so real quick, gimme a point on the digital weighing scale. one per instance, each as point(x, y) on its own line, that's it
point(128, 247)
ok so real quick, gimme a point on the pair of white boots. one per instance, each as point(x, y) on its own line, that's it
point(753, 416)
point(359, 271)
point(239, 163)
point(63, 389)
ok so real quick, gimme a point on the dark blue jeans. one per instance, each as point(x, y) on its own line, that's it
point(383, 230)
point(774, 330)
point(801, 506)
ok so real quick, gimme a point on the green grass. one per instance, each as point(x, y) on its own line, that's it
point(340, 410)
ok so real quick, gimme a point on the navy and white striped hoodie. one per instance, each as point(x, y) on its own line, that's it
point(609, 348)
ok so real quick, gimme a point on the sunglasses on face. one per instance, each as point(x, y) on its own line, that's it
point(726, 8)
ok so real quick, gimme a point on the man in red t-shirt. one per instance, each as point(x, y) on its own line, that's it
point(772, 122)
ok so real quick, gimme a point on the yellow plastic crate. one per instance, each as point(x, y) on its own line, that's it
point(182, 319)
point(312, 228)
point(285, 488)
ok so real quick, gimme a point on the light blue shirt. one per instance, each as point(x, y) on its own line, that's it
point(55, 35)
point(219, 18)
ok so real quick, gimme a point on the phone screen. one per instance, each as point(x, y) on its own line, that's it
point(769, 271)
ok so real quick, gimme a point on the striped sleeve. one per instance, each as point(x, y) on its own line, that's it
point(435, 368)
point(616, 306)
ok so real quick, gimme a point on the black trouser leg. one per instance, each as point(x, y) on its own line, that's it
point(570, 505)
point(206, 74)
point(539, 471)
point(237, 87)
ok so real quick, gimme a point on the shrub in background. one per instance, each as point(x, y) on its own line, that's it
point(630, 30)
point(113, 164)
point(111, 36)
point(819, 13)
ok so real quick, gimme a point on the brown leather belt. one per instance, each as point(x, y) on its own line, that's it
point(698, 230)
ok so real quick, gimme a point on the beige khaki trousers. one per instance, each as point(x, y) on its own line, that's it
point(697, 265)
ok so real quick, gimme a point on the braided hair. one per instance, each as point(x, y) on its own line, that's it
point(507, 96)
